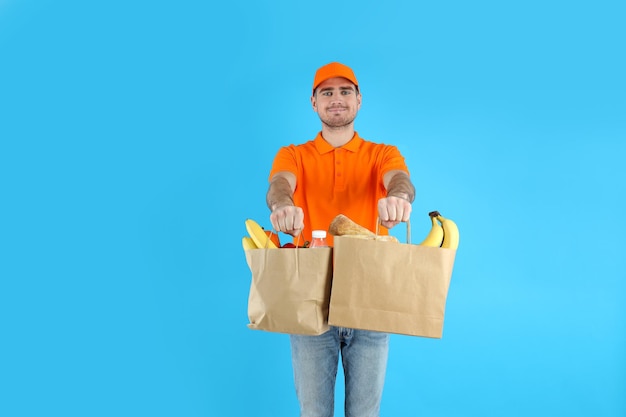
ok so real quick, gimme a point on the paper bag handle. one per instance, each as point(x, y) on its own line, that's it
point(295, 252)
point(408, 229)
point(274, 232)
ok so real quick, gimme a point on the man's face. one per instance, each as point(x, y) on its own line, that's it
point(336, 102)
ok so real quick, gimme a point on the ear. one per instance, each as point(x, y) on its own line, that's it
point(314, 103)
point(358, 101)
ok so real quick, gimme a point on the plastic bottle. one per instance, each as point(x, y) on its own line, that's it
point(319, 239)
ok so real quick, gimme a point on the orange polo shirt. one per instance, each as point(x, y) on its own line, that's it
point(345, 180)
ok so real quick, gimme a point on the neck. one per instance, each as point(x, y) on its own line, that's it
point(338, 136)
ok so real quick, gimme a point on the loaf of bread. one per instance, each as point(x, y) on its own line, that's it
point(366, 237)
point(344, 226)
point(382, 238)
point(387, 238)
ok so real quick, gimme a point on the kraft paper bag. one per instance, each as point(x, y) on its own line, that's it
point(290, 289)
point(390, 287)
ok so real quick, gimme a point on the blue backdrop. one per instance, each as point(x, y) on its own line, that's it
point(136, 137)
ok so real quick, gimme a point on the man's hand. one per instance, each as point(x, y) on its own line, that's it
point(393, 210)
point(285, 217)
point(288, 219)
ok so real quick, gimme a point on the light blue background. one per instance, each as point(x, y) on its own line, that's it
point(136, 137)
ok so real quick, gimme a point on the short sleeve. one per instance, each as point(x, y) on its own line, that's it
point(285, 160)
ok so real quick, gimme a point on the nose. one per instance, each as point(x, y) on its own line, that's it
point(337, 100)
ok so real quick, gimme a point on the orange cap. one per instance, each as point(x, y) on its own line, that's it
point(332, 70)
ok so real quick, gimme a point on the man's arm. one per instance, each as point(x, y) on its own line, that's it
point(398, 184)
point(396, 207)
point(285, 217)
point(280, 192)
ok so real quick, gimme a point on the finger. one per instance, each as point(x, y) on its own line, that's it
point(393, 212)
point(275, 220)
point(295, 218)
point(390, 224)
point(280, 224)
point(289, 222)
point(406, 214)
point(383, 214)
point(404, 210)
point(298, 223)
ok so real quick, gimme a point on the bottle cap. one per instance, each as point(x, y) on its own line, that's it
point(319, 234)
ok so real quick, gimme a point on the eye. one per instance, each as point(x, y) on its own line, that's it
point(346, 92)
point(327, 93)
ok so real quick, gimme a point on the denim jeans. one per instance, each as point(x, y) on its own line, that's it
point(364, 359)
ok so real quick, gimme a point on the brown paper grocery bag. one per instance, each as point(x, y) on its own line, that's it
point(390, 286)
point(290, 289)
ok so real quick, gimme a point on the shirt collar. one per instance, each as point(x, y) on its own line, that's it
point(324, 147)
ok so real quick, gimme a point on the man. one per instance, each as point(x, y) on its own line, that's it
point(338, 173)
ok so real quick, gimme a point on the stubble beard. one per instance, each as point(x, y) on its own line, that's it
point(337, 123)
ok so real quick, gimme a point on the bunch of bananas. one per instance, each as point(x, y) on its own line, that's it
point(258, 237)
point(443, 233)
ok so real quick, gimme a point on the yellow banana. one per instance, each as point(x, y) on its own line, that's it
point(450, 233)
point(247, 243)
point(258, 235)
point(434, 238)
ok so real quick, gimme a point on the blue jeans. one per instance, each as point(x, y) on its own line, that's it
point(364, 359)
